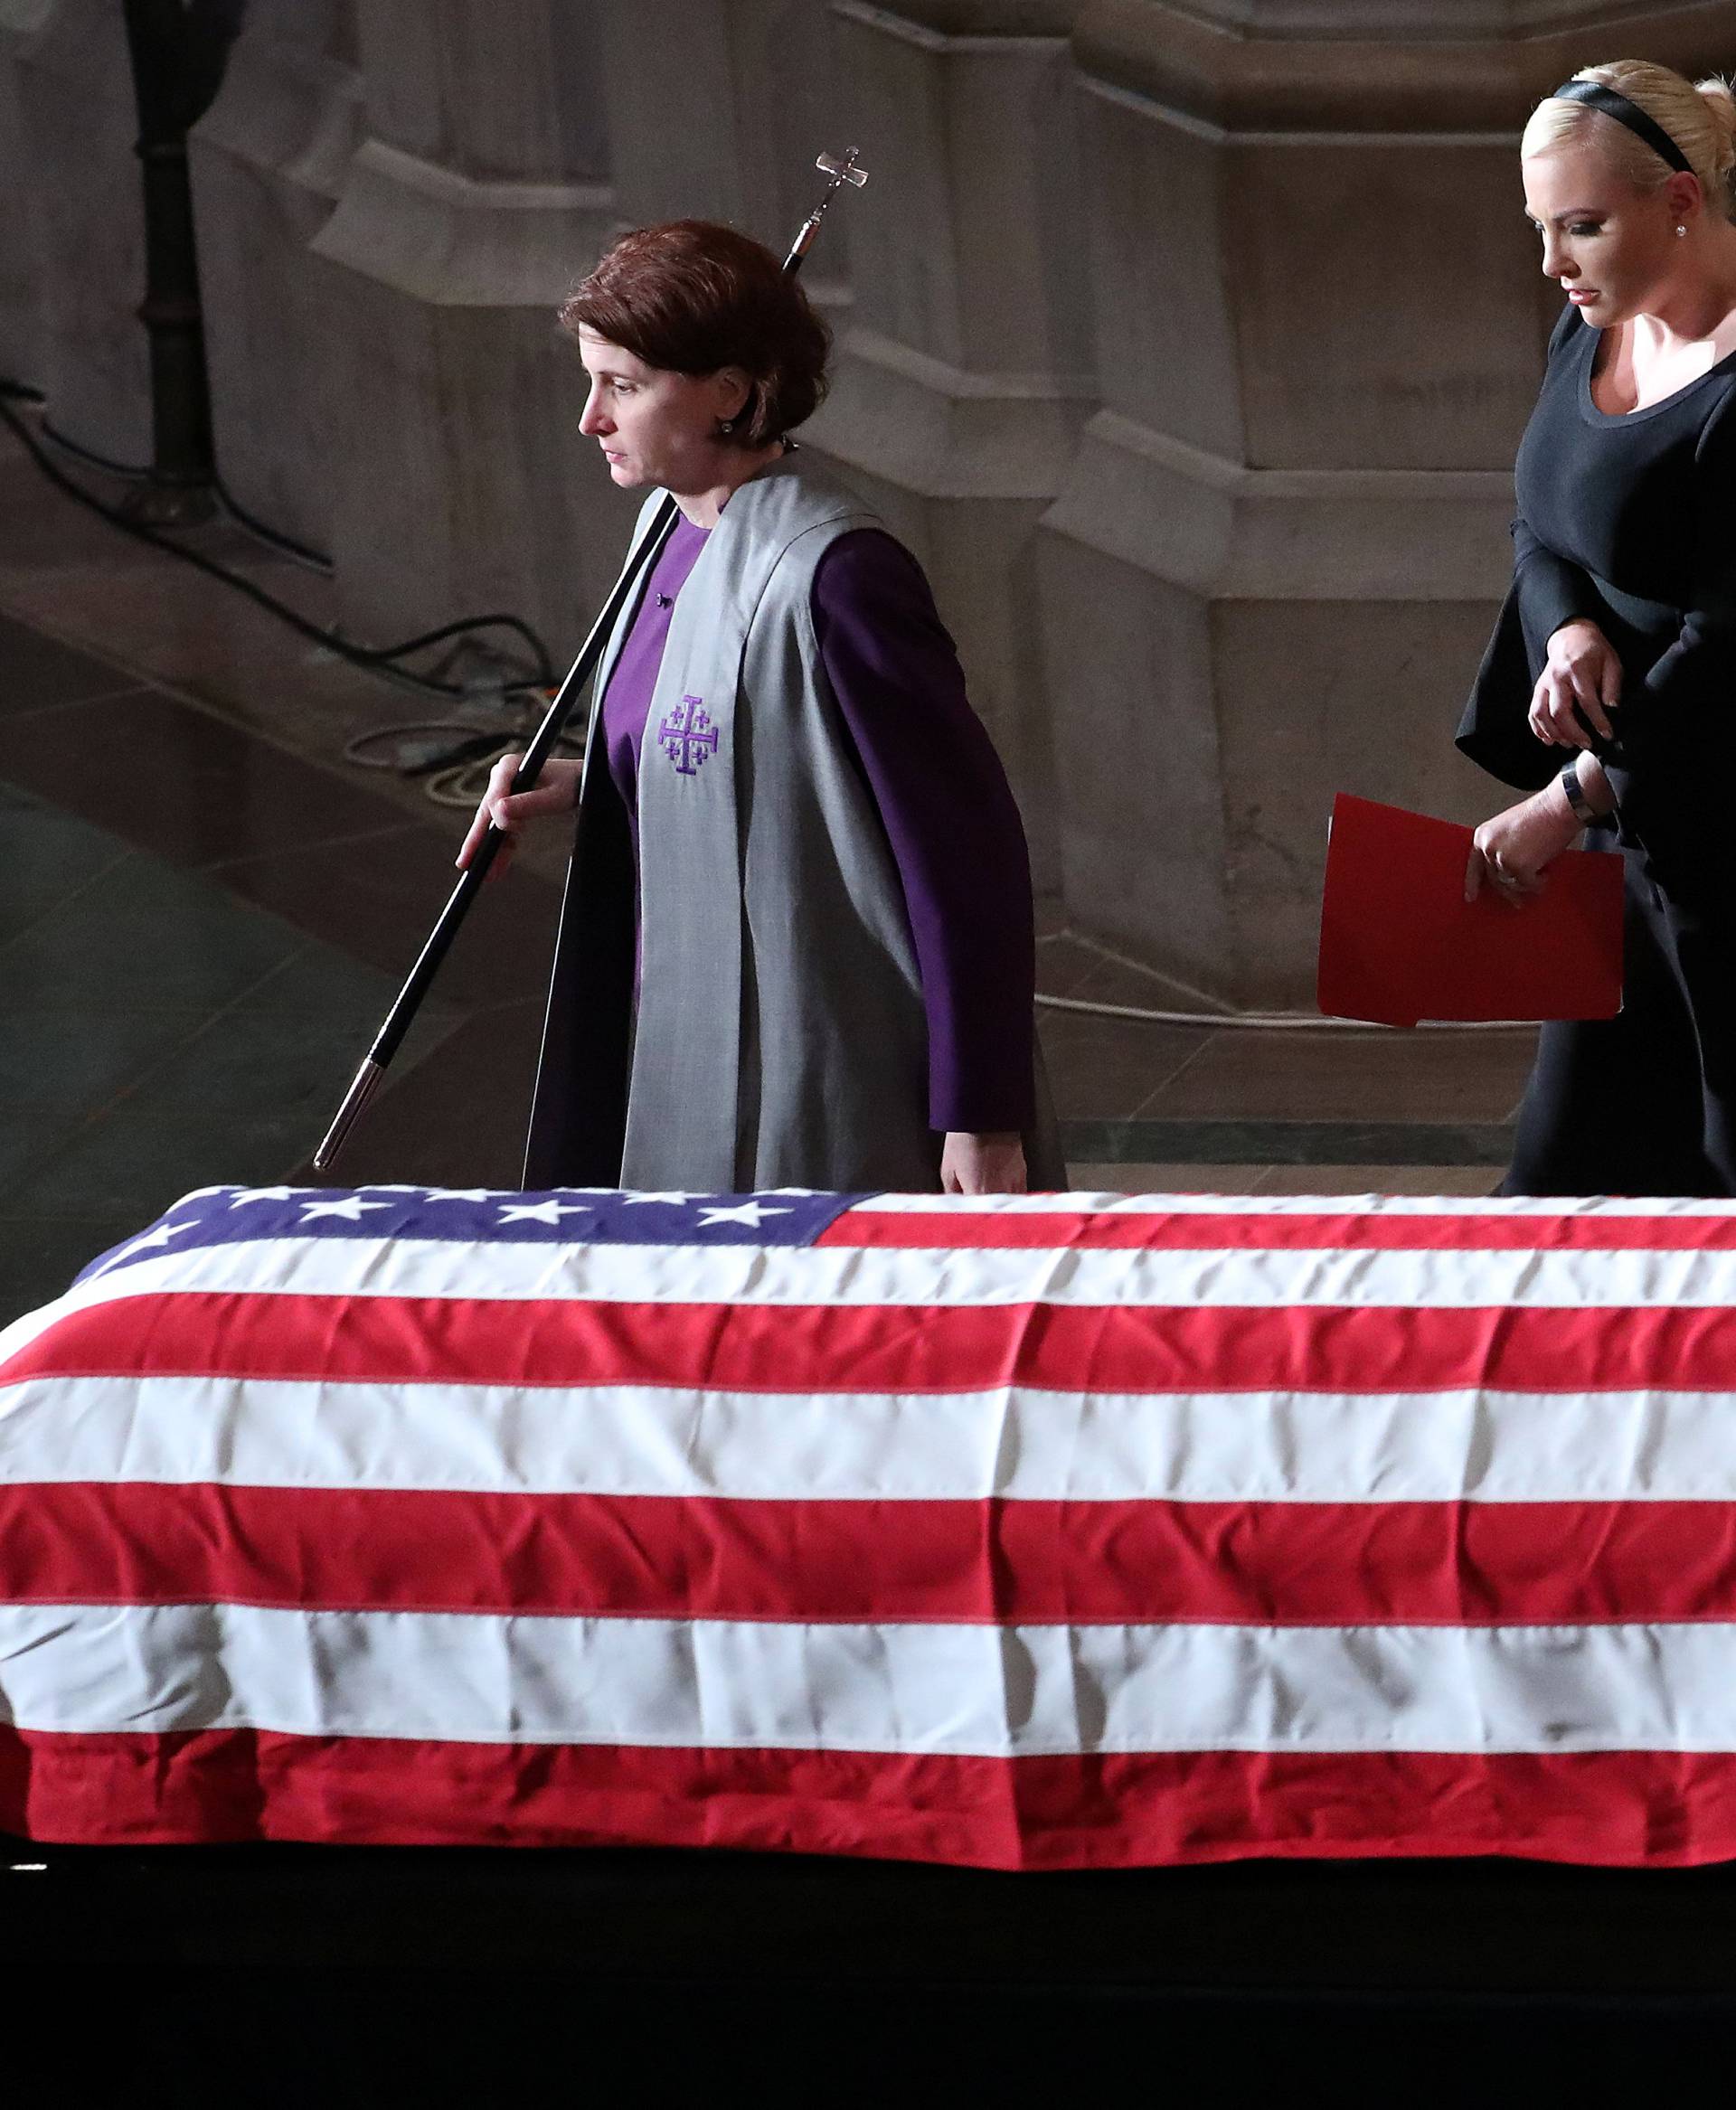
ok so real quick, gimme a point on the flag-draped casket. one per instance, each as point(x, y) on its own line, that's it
point(1038, 1532)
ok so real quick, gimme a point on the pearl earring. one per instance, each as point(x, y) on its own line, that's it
point(1680, 229)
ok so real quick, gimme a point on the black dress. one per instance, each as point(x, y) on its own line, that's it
point(1631, 522)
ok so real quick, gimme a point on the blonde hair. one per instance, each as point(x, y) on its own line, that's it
point(1699, 115)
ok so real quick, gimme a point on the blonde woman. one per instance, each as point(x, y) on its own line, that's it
point(1609, 689)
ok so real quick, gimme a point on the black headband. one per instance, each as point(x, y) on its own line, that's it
point(1617, 106)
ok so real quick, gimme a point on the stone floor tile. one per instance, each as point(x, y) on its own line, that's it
point(246, 1064)
point(157, 1033)
point(181, 783)
point(1063, 962)
point(49, 857)
point(1206, 1142)
point(1465, 1180)
point(23, 1138)
point(324, 982)
point(1111, 1179)
point(1107, 1068)
point(1123, 982)
point(378, 900)
point(135, 1169)
point(1352, 1076)
point(39, 673)
point(40, 1255)
point(69, 1063)
point(168, 941)
point(1072, 966)
point(458, 1118)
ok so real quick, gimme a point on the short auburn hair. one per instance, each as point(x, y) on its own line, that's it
point(691, 297)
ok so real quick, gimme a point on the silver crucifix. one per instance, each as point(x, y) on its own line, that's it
point(841, 172)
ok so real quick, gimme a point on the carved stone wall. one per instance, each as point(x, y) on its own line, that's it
point(479, 193)
point(1188, 342)
point(716, 110)
point(963, 376)
point(1319, 328)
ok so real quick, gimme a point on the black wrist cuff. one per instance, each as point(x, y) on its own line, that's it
point(1584, 811)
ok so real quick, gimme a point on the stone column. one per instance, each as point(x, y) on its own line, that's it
point(963, 371)
point(477, 197)
point(23, 352)
point(729, 131)
point(266, 163)
point(78, 181)
point(1319, 327)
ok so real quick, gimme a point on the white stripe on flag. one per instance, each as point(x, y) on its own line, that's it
point(1120, 1204)
point(1025, 1444)
point(880, 1276)
point(957, 1689)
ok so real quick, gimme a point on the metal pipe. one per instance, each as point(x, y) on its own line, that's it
point(178, 56)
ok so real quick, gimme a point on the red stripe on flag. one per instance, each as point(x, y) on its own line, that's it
point(1200, 1231)
point(1621, 1809)
point(1466, 1564)
point(916, 1348)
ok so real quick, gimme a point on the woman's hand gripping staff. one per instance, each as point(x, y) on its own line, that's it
point(555, 791)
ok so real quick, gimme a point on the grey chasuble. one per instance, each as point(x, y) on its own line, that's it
point(781, 1038)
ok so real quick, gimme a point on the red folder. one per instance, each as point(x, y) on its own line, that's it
point(1399, 942)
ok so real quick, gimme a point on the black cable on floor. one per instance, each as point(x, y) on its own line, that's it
point(375, 660)
point(273, 538)
point(126, 471)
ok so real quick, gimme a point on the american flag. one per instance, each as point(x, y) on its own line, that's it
point(1051, 1531)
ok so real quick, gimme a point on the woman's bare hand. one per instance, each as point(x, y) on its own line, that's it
point(1510, 852)
point(1581, 682)
point(989, 1164)
point(556, 792)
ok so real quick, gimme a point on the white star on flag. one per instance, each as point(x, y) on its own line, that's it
point(633, 1200)
point(751, 1213)
point(159, 1237)
point(260, 1194)
point(461, 1194)
point(351, 1207)
point(544, 1211)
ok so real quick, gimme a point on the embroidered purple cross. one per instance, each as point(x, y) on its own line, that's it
point(687, 736)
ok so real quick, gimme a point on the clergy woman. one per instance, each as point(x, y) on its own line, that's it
point(1609, 689)
point(797, 947)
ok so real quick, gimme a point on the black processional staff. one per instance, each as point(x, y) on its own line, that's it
point(838, 172)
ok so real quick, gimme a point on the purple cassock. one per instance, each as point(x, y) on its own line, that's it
point(942, 795)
